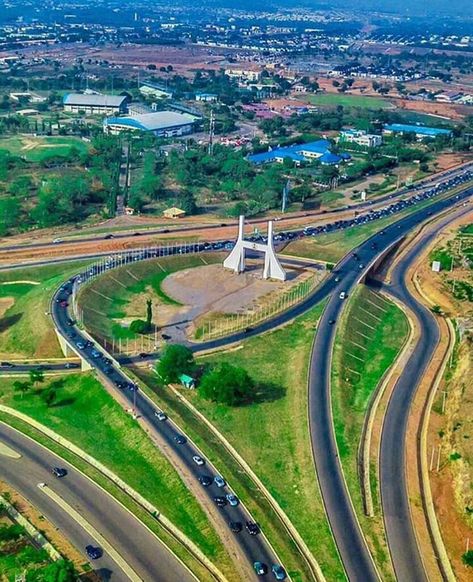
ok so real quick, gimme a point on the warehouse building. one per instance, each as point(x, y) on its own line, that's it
point(161, 123)
point(420, 131)
point(94, 104)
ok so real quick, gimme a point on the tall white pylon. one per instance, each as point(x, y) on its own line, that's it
point(236, 259)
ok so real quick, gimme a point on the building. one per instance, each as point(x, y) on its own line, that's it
point(316, 150)
point(149, 89)
point(174, 212)
point(243, 75)
point(420, 131)
point(27, 96)
point(448, 96)
point(360, 137)
point(93, 104)
point(161, 123)
point(206, 97)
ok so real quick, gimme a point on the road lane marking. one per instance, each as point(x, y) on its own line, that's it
point(76, 516)
point(7, 451)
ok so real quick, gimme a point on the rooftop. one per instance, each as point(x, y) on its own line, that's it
point(297, 153)
point(419, 129)
point(152, 121)
point(93, 100)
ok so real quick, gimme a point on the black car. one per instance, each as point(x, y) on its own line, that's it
point(205, 480)
point(108, 236)
point(220, 500)
point(59, 472)
point(235, 526)
point(252, 528)
point(6, 365)
point(93, 552)
point(180, 439)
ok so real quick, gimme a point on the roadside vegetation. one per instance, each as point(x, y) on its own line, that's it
point(372, 333)
point(270, 431)
point(79, 401)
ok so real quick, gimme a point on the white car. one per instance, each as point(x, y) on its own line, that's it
point(160, 415)
point(232, 499)
point(342, 295)
point(219, 481)
point(198, 460)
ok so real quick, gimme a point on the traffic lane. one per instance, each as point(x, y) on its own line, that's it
point(135, 543)
point(254, 547)
point(422, 185)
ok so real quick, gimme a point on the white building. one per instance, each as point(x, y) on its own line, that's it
point(94, 104)
point(360, 137)
point(161, 123)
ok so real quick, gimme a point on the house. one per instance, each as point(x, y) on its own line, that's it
point(94, 104)
point(187, 381)
point(149, 89)
point(243, 75)
point(316, 150)
point(161, 123)
point(360, 137)
point(174, 212)
point(206, 97)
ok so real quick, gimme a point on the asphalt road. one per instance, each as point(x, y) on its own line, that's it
point(394, 497)
point(255, 221)
point(136, 544)
point(350, 542)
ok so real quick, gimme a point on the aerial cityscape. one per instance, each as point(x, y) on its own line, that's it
point(236, 291)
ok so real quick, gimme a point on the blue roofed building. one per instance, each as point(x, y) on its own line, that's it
point(306, 152)
point(421, 131)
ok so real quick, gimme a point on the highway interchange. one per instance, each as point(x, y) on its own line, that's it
point(354, 554)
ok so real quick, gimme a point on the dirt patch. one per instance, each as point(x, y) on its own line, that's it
point(5, 304)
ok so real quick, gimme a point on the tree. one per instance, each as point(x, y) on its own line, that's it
point(227, 384)
point(9, 214)
point(59, 571)
point(21, 387)
point(139, 326)
point(48, 395)
point(149, 312)
point(467, 558)
point(176, 360)
point(36, 376)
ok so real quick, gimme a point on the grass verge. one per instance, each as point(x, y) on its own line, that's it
point(371, 334)
point(81, 401)
point(273, 437)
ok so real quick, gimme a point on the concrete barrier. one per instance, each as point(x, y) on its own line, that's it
point(149, 507)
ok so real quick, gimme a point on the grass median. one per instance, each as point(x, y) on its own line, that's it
point(26, 328)
point(90, 418)
point(272, 435)
point(371, 334)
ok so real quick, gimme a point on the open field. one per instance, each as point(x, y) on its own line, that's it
point(371, 335)
point(40, 149)
point(80, 401)
point(347, 100)
point(26, 329)
point(271, 435)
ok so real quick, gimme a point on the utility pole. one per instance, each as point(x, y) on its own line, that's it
point(211, 133)
point(285, 192)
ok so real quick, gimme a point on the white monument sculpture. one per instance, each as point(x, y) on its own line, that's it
point(236, 259)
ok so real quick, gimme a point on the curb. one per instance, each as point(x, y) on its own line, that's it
point(34, 533)
point(150, 508)
point(290, 528)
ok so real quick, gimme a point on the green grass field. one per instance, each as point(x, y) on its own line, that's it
point(26, 329)
point(107, 299)
point(40, 149)
point(272, 436)
point(334, 99)
point(81, 401)
point(371, 335)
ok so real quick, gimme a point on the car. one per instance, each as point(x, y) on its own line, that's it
point(235, 526)
point(57, 241)
point(198, 460)
point(6, 365)
point(165, 336)
point(108, 236)
point(361, 266)
point(180, 439)
point(63, 303)
point(80, 345)
point(260, 568)
point(69, 365)
point(337, 279)
point(331, 321)
point(93, 552)
point(342, 295)
point(95, 354)
point(252, 528)
point(219, 481)
point(232, 499)
point(278, 572)
point(220, 500)
point(160, 415)
point(143, 355)
point(205, 480)
point(59, 472)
